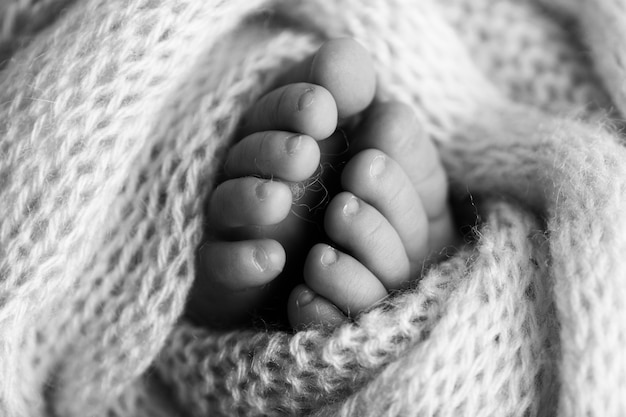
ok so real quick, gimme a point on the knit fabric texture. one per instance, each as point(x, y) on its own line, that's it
point(114, 120)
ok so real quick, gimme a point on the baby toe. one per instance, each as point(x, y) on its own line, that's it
point(306, 308)
point(342, 280)
point(231, 278)
point(394, 128)
point(344, 68)
point(248, 201)
point(301, 107)
point(274, 154)
point(240, 265)
point(365, 233)
point(377, 179)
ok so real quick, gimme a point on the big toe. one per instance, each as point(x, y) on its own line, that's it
point(345, 68)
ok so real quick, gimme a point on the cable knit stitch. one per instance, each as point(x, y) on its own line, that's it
point(114, 117)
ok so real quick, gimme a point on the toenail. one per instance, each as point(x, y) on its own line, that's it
point(260, 259)
point(262, 190)
point(306, 99)
point(329, 256)
point(305, 297)
point(377, 166)
point(351, 207)
point(292, 144)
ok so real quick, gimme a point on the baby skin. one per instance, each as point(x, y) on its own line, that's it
point(390, 212)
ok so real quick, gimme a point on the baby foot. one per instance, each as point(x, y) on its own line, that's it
point(254, 227)
point(391, 216)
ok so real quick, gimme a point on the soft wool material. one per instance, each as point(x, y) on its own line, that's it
point(114, 118)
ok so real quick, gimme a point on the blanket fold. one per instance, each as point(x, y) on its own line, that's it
point(114, 119)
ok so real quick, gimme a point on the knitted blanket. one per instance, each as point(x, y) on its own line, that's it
point(114, 118)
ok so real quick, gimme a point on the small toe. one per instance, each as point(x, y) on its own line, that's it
point(248, 201)
point(240, 265)
point(231, 280)
point(301, 107)
point(377, 179)
point(342, 280)
point(366, 235)
point(306, 308)
point(274, 154)
point(393, 128)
